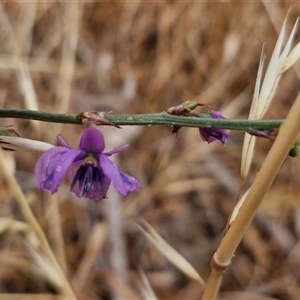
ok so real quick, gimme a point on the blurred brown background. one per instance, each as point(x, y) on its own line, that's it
point(143, 57)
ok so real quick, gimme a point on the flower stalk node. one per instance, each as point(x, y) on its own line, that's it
point(264, 133)
point(207, 134)
point(96, 118)
point(184, 109)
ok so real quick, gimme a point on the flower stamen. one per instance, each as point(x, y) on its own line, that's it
point(87, 175)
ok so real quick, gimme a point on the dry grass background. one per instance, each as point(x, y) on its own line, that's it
point(135, 57)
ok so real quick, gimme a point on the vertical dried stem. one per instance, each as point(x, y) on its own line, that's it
point(65, 287)
point(288, 132)
point(118, 249)
point(72, 21)
point(55, 231)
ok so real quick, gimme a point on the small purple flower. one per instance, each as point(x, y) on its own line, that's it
point(212, 134)
point(88, 169)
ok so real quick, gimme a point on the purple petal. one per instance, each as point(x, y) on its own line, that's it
point(122, 182)
point(210, 135)
point(216, 114)
point(92, 140)
point(130, 183)
point(52, 167)
point(109, 153)
point(214, 134)
point(98, 188)
point(62, 142)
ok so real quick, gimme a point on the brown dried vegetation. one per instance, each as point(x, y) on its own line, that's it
point(131, 57)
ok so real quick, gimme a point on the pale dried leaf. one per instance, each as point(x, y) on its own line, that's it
point(272, 76)
point(291, 59)
point(247, 154)
point(17, 143)
point(253, 109)
point(263, 96)
point(249, 140)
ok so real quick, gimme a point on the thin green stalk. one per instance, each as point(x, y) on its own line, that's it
point(162, 118)
point(40, 116)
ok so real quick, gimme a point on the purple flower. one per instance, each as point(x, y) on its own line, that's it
point(88, 169)
point(212, 134)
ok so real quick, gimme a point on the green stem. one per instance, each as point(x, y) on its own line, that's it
point(40, 116)
point(146, 119)
point(167, 119)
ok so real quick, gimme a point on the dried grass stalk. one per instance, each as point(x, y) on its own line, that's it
point(288, 132)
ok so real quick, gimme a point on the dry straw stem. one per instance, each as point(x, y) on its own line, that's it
point(24, 77)
point(64, 287)
point(55, 233)
point(72, 21)
point(288, 132)
point(95, 244)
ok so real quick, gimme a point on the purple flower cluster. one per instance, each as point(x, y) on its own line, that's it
point(88, 169)
point(207, 134)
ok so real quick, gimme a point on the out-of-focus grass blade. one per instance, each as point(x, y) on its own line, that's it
point(171, 254)
point(47, 270)
point(7, 224)
point(28, 91)
point(145, 287)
